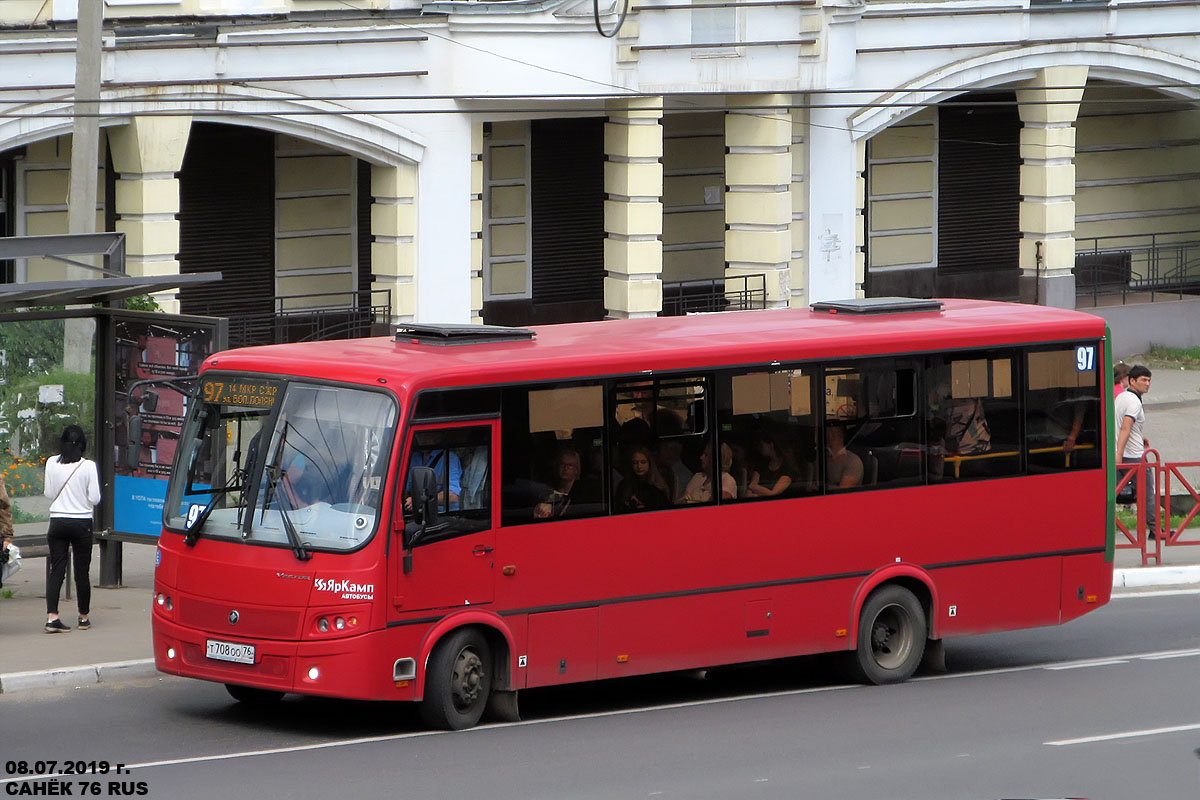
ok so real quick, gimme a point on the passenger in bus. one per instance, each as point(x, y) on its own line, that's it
point(427, 451)
point(776, 469)
point(571, 489)
point(660, 420)
point(967, 429)
point(674, 472)
point(643, 488)
point(843, 467)
point(475, 478)
point(699, 489)
point(738, 467)
point(936, 428)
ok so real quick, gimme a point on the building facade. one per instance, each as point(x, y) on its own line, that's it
point(510, 162)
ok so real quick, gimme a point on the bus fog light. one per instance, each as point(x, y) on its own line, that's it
point(340, 624)
point(313, 673)
point(323, 625)
point(171, 653)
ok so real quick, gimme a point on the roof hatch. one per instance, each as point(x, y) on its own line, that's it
point(445, 334)
point(877, 305)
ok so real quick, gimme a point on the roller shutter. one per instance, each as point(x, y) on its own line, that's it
point(979, 199)
point(227, 222)
point(567, 201)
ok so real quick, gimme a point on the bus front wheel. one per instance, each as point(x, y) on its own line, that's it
point(458, 681)
point(891, 636)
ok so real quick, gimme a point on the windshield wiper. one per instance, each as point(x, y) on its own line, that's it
point(275, 474)
point(193, 528)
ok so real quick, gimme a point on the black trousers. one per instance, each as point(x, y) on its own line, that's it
point(74, 535)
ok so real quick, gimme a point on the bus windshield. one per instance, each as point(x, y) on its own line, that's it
point(259, 456)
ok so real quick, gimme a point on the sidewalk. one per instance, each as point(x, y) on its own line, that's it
point(117, 647)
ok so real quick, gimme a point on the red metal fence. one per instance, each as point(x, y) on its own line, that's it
point(1164, 475)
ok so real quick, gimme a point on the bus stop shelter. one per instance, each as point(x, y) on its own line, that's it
point(70, 352)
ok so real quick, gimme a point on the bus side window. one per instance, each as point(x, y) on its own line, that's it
point(768, 423)
point(461, 460)
point(972, 417)
point(659, 437)
point(553, 453)
point(1062, 408)
point(872, 430)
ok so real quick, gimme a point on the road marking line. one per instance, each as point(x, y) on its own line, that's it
point(619, 712)
point(1108, 737)
point(1180, 654)
point(1084, 665)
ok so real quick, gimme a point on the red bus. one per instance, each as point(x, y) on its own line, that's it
point(454, 514)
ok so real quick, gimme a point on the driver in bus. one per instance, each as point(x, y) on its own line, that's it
point(303, 483)
point(427, 451)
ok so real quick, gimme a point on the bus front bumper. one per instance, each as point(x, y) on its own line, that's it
point(354, 667)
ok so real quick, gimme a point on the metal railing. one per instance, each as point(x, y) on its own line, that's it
point(733, 293)
point(1144, 265)
point(1152, 542)
point(311, 317)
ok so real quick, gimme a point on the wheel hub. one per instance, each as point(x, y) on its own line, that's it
point(891, 637)
point(467, 679)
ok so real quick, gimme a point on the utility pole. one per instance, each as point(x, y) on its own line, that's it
point(85, 136)
point(80, 334)
point(85, 160)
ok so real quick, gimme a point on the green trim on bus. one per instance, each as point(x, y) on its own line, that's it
point(1111, 443)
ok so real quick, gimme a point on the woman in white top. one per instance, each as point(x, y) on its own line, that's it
point(73, 486)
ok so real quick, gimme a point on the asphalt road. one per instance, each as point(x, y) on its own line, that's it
point(1107, 706)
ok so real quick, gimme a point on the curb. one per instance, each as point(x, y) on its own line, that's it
point(1175, 398)
point(73, 677)
point(1137, 577)
point(117, 671)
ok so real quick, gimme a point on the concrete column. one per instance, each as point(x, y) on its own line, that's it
point(799, 224)
point(860, 217)
point(147, 155)
point(394, 229)
point(1047, 249)
point(477, 223)
point(833, 202)
point(444, 208)
point(633, 210)
point(758, 203)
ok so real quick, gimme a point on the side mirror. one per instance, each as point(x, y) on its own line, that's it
point(133, 441)
point(149, 401)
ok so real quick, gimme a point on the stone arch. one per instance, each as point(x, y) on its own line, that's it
point(1122, 63)
point(371, 138)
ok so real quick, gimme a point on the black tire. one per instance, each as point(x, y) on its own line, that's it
point(891, 636)
point(250, 696)
point(458, 681)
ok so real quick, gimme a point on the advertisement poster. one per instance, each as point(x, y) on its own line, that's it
point(147, 350)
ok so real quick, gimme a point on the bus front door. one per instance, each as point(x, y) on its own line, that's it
point(450, 564)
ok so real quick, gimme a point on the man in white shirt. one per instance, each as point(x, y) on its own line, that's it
point(1131, 441)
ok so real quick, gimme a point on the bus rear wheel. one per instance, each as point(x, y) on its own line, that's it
point(891, 636)
point(250, 696)
point(458, 681)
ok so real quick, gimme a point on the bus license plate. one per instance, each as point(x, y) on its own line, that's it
point(228, 651)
